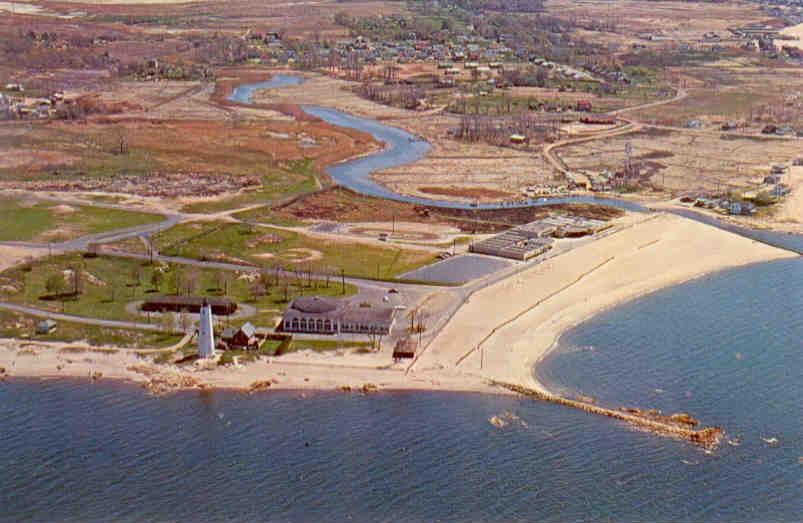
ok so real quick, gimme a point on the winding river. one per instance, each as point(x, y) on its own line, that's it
point(402, 148)
point(726, 346)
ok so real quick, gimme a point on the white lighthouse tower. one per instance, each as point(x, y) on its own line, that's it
point(206, 336)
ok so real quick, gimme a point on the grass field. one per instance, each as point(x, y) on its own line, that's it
point(109, 284)
point(295, 178)
point(15, 325)
point(47, 221)
point(270, 247)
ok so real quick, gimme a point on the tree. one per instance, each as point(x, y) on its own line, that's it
point(121, 140)
point(54, 284)
point(136, 276)
point(222, 281)
point(75, 280)
point(257, 289)
point(265, 282)
point(186, 322)
point(190, 283)
point(157, 277)
point(168, 321)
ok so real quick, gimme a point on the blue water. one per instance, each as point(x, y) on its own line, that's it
point(726, 347)
point(243, 92)
point(402, 148)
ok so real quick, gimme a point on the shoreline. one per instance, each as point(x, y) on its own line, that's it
point(75, 360)
point(474, 349)
point(545, 301)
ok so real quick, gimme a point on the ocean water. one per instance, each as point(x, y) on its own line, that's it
point(725, 347)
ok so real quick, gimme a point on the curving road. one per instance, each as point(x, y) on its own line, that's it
point(41, 313)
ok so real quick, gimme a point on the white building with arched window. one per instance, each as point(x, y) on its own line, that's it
point(326, 315)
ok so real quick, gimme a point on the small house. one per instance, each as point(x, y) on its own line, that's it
point(242, 338)
point(404, 349)
point(45, 327)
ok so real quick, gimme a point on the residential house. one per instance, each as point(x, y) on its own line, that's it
point(243, 338)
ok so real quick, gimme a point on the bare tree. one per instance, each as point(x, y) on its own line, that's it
point(121, 140)
point(222, 282)
point(157, 277)
point(190, 284)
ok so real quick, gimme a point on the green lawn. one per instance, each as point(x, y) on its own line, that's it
point(25, 220)
point(15, 325)
point(295, 178)
point(272, 247)
point(109, 283)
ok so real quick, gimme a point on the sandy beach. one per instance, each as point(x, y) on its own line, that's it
point(517, 321)
point(500, 333)
point(300, 371)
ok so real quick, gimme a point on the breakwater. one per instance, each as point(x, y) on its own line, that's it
point(707, 436)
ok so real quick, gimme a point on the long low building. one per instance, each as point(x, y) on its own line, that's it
point(327, 315)
point(535, 238)
point(220, 306)
point(514, 244)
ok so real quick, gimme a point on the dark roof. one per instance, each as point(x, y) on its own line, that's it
point(347, 311)
point(189, 300)
point(314, 304)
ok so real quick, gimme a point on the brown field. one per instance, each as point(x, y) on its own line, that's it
point(343, 205)
point(450, 163)
point(680, 21)
point(183, 145)
point(686, 161)
point(299, 18)
point(174, 129)
point(736, 91)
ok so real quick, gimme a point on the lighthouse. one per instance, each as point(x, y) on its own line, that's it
point(206, 336)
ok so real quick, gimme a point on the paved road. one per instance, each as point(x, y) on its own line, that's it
point(40, 313)
point(81, 243)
